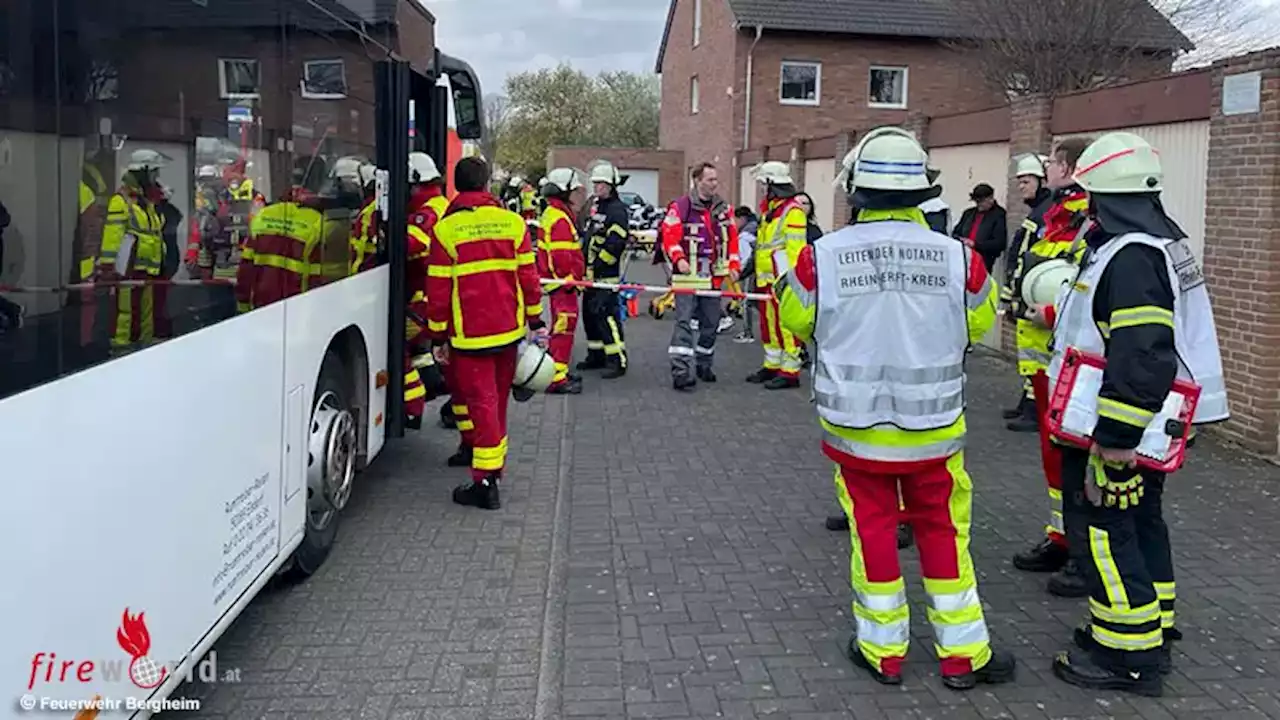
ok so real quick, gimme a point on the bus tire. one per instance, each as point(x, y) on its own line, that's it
point(331, 451)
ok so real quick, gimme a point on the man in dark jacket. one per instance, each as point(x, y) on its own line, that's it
point(982, 226)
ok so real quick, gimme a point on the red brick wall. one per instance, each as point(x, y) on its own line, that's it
point(670, 165)
point(1242, 251)
point(713, 134)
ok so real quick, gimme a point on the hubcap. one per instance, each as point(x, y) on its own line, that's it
point(331, 453)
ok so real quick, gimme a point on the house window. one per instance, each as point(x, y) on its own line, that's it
point(697, 22)
point(801, 83)
point(324, 79)
point(887, 87)
point(239, 78)
point(693, 95)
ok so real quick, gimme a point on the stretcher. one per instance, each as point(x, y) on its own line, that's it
point(1073, 413)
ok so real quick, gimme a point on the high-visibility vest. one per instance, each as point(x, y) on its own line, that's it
point(488, 308)
point(285, 252)
point(364, 237)
point(1195, 335)
point(127, 215)
point(784, 226)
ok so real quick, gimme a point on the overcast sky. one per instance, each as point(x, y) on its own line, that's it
point(500, 37)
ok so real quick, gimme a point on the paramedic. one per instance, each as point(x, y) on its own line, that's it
point(560, 258)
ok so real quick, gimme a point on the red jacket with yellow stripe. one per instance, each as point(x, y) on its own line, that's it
point(482, 285)
point(560, 254)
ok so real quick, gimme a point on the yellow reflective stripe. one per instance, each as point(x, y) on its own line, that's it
point(562, 245)
point(533, 310)
point(486, 341)
point(418, 297)
point(437, 326)
point(489, 458)
point(1148, 613)
point(1166, 590)
point(243, 307)
point(608, 257)
point(616, 229)
point(459, 410)
point(1124, 413)
point(294, 266)
point(1141, 315)
point(1100, 549)
point(440, 271)
point(483, 266)
point(465, 425)
point(247, 254)
point(525, 258)
point(1135, 642)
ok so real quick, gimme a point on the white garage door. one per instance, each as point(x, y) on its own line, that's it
point(747, 189)
point(645, 184)
point(818, 178)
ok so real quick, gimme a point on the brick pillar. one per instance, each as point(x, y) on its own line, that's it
point(845, 142)
point(1030, 118)
point(918, 124)
point(1242, 251)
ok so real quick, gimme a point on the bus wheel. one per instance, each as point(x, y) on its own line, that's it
point(331, 466)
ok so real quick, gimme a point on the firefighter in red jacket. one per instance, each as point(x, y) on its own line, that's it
point(560, 258)
point(700, 240)
point(483, 295)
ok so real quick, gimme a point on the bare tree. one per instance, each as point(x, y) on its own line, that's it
point(1057, 46)
point(497, 113)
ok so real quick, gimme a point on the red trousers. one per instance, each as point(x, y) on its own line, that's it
point(939, 499)
point(484, 380)
point(459, 406)
point(415, 393)
point(1051, 458)
point(564, 324)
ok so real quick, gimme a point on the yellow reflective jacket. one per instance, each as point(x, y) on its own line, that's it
point(782, 227)
point(130, 215)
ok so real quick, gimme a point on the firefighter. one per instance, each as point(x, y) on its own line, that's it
point(899, 305)
point(1140, 299)
point(1065, 224)
point(511, 193)
point(283, 255)
point(426, 205)
point(560, 258)
point(94, 196)
point(700, 240)
point(133, 249)
point(1032, 179)
point(529, 203)
point(607, 232)
point(483, 295)
point(783, 225)
point(355, 177)
point(936, 211)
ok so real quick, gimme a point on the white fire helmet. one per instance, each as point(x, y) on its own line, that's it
point(206, 172)
point(604, 171)
point(535, 369)
point(146, 159)
point(1120, 163)
point(1031, 165)
point(773, 172)
point(1042, 283)
point(562, 180)
point(353, 169)
point(516, 181)
point(422, 169)
point(887, 158)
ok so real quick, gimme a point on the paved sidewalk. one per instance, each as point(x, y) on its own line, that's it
point(663, 556)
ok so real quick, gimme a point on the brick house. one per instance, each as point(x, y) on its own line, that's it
point(740, 74)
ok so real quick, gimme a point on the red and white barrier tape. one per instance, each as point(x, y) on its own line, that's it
point(658, 289)
point(75, 287)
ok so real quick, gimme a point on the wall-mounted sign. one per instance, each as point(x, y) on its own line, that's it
point(1242, 93)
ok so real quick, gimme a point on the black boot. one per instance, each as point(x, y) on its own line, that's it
point(906, 536)
point(854, 653)
point(1046, 556)
point(1079, 669)
point(706, 374)
point(460, 458)
point(837, 523)
point(683, 383)
point(1084, 640)
point(1028, 421)
point(761, 376)
point(782, 382)
point(448, 420)
point(1017, 410)
point(616, 368)
point(483, 494)
point(594, 361)
point(568, 386)
point(1001, 668)
point(1069, 582)
point(413, 422)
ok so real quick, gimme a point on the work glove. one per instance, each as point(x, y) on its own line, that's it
point(1112, 484)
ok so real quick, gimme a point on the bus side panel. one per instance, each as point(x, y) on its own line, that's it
point(142, 497)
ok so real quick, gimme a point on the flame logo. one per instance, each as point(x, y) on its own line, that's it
point(91, 712)
point(133, 636)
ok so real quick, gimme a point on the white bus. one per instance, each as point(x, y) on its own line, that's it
point(163, 452)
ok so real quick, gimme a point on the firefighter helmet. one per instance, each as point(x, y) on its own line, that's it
point(535, 369)
point(1042, 282)
point(353, 169)
point(773, 172)
point(1122, 163)
point(887, 158)
point(146, 159)
point(605, 172)
point(562, 180)
point(1030, 165)
point(422, 169)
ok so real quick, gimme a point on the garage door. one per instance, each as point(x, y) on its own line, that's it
point(818, 178)
point(645, 184)
point(746, 188)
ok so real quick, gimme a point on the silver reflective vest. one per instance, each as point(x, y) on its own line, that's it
point(1194, 333)
point(891, 327)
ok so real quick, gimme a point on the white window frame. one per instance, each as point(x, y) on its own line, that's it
point(694, 95)
point(323, 96)
point(222, 79)
point(906, 87)
point(817, 83)
point(697, 22)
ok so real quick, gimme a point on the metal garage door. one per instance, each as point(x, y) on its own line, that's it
point(818, 176)
point(645, 184)
point(746, 188)
point(1184, 151)
point(963, 167)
